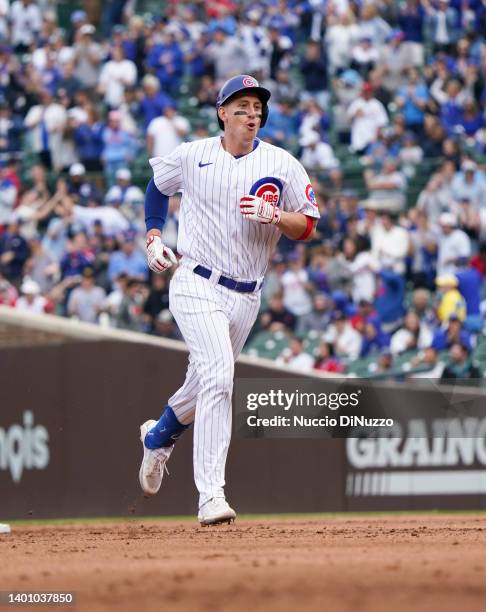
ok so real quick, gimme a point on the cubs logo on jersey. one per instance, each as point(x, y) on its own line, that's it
point(268, 189)
point(310, 195)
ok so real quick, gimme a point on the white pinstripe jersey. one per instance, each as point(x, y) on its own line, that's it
point(212, 231)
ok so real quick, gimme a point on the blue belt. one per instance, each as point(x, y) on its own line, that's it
point(229, 283)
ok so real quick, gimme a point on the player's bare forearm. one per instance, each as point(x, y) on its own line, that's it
point(154, 232)
point(294, 225)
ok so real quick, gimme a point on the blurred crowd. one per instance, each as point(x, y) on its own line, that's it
point(387, 87)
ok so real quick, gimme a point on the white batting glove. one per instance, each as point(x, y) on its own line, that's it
point(159, 256)
point(256, 209)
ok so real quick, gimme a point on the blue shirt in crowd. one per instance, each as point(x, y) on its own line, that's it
point(413, 114)
point(470, 283)
point(133, 265)
point(411, 23)
point(89, 141)
point(390, 296)
point(152, 107)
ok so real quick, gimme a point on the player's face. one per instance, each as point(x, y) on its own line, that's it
point(243, 115)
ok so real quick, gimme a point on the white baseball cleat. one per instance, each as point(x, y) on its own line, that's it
point(216, 511)
point(153, 462)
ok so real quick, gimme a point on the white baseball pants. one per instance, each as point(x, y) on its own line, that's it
point(215, 322)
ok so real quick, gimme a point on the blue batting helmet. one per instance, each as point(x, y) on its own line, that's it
point(238, 84)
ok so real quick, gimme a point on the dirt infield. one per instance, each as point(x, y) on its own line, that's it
point(381, 563)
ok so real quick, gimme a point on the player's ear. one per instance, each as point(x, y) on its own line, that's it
point(222, 113)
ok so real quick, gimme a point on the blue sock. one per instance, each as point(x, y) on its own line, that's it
point(166, 431)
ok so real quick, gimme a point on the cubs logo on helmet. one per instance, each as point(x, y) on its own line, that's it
point(268, 189)
point(249, 82)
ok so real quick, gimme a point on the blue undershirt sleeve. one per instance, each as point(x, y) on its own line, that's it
point(156, 207)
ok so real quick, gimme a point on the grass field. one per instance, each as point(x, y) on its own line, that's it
point(246, 517)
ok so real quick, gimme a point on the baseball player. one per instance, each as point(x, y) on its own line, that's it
point(239, 195)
